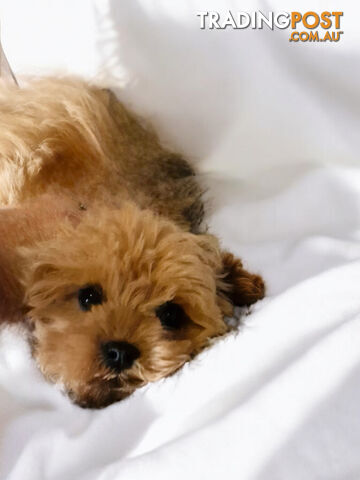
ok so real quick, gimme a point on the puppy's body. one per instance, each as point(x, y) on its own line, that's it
point(66, 147)
point(118, 286)
point(65, 135)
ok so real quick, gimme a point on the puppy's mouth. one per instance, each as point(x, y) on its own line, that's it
point(100, 393)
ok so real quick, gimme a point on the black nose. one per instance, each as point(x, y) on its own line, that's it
point(119, 355)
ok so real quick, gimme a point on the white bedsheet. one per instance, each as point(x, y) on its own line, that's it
point(275, 129)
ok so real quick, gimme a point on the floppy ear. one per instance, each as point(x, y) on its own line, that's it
point(39, 280)
point(241, 287)
point(235, 285)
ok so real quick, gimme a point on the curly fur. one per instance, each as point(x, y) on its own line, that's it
point(89, 196)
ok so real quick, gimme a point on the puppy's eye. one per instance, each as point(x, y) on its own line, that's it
point(89, 296)
point(171, 316)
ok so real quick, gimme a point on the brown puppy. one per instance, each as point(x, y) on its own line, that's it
point(100, 244)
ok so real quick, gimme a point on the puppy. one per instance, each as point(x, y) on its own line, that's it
point(102, 254)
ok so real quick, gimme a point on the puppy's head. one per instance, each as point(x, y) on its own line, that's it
point(124, 299)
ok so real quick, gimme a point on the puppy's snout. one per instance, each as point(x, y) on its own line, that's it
point(119, 355)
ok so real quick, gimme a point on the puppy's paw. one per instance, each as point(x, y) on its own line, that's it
point(241, 287)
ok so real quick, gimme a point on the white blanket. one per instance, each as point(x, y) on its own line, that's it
point(274, 127)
